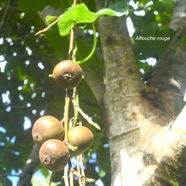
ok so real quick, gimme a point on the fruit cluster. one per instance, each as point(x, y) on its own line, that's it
point(56, 150)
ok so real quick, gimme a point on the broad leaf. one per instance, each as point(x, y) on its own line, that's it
point(81, 14)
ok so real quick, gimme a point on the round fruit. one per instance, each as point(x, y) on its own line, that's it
point(67, 73)
point(47, 127)
point(54, 154)
point(81, 137)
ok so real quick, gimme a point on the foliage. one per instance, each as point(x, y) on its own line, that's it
point(80, 14)
point(151, 18)
point(26, 61)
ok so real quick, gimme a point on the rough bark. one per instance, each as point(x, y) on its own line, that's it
point(179, 15)
point(144, 147)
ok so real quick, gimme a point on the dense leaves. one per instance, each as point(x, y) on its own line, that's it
point(151, 19)
point(27, 60)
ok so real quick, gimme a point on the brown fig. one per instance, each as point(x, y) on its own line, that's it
point(81, 137)
point(67, 73)
point(47, 127)
point(54, 154)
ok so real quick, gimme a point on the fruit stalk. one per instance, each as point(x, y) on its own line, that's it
point(66, 112)
point(85, 115)
point(81, 177)
point(71, 46)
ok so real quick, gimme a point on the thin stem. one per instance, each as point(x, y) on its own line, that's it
point(93, 48)
point(75, 97)
point(82, 169)
point(71, 179)
point(75, 2)
point(81, 165)
point(66, 112)
point(81, 177)
point(85, 115)
point(71, 46)
point(49, 26)
point(78, 172)
point(66, 175)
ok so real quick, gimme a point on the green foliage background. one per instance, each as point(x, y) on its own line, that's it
point(27, 60)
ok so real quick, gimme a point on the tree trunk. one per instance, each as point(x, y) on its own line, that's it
point(146, 145)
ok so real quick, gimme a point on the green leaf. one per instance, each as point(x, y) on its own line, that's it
point(81, 14)
point(50, 19)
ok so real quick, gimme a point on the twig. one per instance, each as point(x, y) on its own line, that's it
point(71, 147)
point(87, 180)
point(85, 115)
point(50, 25)
point(81, 165)
point(75, 2)
point(66, 112)
point(66, 175)
point(71, 179)
point(71, 46)
point(75, 97)
point(162, 64)
point(78, 173)
point(82, 169)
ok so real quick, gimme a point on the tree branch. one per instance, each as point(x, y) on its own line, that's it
point(162, 64)
point(178, 15)
point(30, 166)
point(172, 85)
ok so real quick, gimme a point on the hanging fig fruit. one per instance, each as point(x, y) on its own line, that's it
point(81, 137)
point(67, 74)
point(54, 154)
point(47, 127)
